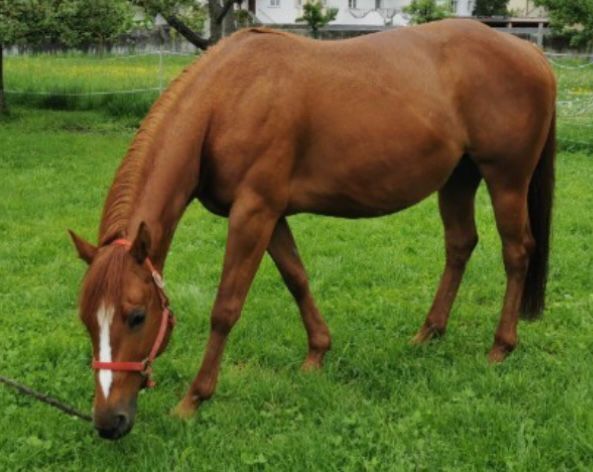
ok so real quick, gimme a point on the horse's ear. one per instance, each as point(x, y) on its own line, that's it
point(86, 251)
point(141, 245)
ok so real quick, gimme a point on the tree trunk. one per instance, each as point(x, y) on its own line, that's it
point(228, 23)
point(3, 105)
point(226, 17)
point(214, 10)
point(188, 33)
point(222, 23)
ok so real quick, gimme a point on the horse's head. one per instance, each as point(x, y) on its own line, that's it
point(124, 309)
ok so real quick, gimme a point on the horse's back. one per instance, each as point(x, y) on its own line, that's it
point(371, 124)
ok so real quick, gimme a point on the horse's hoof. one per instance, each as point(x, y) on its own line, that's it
point(425, 334)
point(311, 365)
point(498, 354)
point(185, 409)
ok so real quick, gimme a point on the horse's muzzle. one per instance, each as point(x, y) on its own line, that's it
point(114, 425)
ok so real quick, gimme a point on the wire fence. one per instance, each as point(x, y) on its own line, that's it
point(85, 94)
point(574, 72)
point(131, 91)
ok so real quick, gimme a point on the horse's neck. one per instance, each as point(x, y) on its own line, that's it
point(160, 174)
point(154, 185)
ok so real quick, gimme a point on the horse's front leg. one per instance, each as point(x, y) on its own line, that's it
point(251, 223)
point(286, 257)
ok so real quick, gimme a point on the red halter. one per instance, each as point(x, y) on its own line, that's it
point(167, 322)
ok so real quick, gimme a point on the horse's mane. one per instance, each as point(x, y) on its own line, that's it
point(135, 167)
point(127, 186)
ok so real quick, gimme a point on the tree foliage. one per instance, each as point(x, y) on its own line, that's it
point(491, 8)
point(316, 15)
point(571, 18)
point(92, 22)
point(424, 11)
point(72, 23)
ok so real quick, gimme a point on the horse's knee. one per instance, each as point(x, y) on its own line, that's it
point(459, 249)
point(224, 317)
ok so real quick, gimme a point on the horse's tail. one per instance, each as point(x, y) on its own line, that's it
point(540, 199)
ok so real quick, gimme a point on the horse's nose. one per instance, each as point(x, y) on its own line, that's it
point(114, 425)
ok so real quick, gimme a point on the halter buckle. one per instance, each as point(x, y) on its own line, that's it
point(158, 280)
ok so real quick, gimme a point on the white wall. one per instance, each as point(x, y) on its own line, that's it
point(527, 8)
point(287, 11)
point(463, 7)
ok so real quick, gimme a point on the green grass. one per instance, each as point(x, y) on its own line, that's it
point(69, 80)
point(575, 109)
point(379, 403)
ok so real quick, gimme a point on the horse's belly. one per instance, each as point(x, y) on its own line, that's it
point(365, 187)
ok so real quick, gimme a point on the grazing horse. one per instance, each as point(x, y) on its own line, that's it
point(267, 124)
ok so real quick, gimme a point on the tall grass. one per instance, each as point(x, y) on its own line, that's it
point(119, 85)
point(575, 103)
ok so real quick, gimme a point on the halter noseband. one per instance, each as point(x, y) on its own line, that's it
point(167, 322)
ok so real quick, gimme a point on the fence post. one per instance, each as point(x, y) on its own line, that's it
point(161, 80)
point(540, 34)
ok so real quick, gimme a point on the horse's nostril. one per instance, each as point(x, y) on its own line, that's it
point(121, 421)
point(119, 426)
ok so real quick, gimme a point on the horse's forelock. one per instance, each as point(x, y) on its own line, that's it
point(103, 281)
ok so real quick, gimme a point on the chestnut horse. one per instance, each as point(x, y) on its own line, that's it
point(268, 124)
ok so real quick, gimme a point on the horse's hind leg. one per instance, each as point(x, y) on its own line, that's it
point(512, 220)
point(251, 223)
point(284, 252)
point(456, 205)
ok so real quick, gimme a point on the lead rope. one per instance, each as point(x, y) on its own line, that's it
point(69, 410)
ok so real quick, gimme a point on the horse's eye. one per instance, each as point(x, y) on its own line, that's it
point(136, 318)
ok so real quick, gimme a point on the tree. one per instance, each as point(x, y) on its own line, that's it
point(21, 21)
point(491, 8)
point(181, 15)
point(70, 23)
point(423, 11)
point(316, 15)
point(92, 22)
point(572, 19)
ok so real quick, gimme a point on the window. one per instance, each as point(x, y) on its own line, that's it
point(352, 4)
point(274, 3)
point(454, 6)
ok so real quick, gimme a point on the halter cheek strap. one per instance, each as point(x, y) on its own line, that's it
point(144, 367)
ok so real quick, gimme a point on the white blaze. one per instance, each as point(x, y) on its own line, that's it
point(104, 318)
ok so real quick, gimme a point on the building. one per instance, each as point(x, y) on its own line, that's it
point(369, 13)
point(526, 9)
point(350, 12)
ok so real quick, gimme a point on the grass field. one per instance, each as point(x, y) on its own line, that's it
point(80, 82)
point(379, 403)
